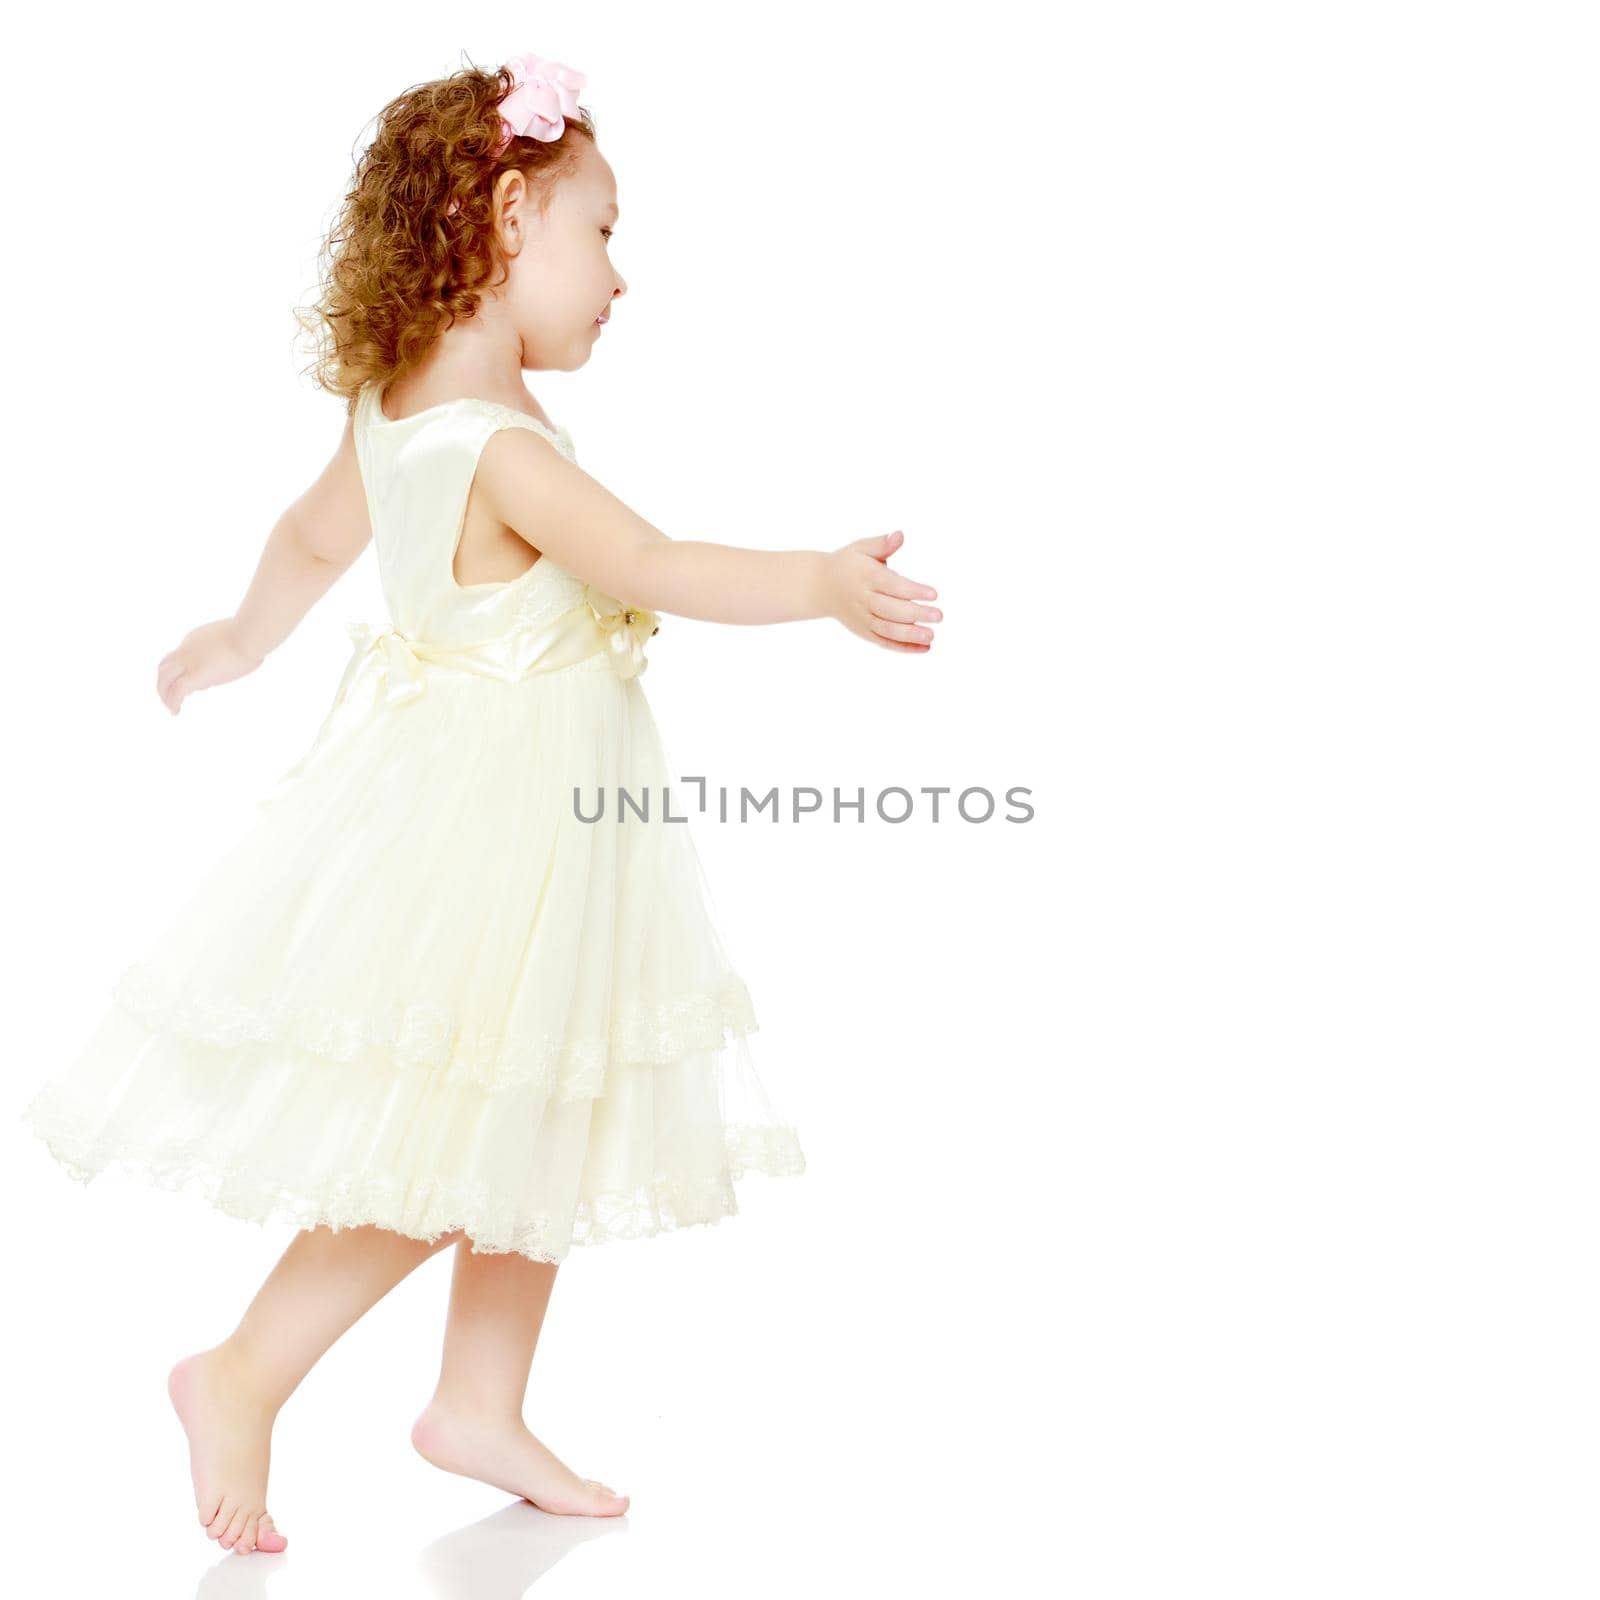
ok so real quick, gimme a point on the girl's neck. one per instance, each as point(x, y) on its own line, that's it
point(418, 390)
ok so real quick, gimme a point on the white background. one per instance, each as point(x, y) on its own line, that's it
point(1202, 1191)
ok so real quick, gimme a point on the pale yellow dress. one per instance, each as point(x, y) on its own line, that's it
point(421, 990)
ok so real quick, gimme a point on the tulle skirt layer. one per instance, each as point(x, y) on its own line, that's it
point(423, 992)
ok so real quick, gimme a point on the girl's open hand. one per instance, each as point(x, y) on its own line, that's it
point(876, 603)
point(208, 655)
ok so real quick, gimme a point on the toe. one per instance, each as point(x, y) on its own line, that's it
point(246, 1542)
point(235, 1527)
point(267, 1537)
point(218, 1525)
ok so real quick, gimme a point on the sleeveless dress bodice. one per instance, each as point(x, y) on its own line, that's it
point(418, 472)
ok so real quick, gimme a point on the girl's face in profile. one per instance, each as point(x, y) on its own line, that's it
point(561, 277)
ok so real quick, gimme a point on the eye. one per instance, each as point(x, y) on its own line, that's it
point(606, 232)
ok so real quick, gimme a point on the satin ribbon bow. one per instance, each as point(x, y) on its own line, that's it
point(384, 658)
point(400, 676)
point(626, 628)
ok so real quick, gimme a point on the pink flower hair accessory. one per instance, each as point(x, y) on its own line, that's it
point(542, 96)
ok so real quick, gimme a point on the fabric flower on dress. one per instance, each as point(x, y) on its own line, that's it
point(626, 628)
point(543, 96)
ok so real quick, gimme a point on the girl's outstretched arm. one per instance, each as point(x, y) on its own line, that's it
point(310, 546)
point(560, 510)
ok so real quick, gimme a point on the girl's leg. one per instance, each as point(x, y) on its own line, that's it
point(473, 1425)
point(227, 1397)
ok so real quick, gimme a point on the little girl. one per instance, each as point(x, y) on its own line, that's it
point(427, 1000)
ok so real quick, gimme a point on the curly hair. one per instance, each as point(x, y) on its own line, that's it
point(413, 246)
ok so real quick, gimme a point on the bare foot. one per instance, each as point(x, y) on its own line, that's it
point(230, 1442)
point(501, 1451)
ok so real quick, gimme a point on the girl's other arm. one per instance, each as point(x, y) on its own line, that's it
point(584, 528)
point(310, 546)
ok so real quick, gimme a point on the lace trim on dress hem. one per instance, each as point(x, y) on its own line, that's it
point(421, 1036)
point(426, 1208)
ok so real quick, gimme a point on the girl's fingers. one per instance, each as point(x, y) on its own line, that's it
point(897, 583)
point(887, 606)
point(901, 619)
point(903, 631)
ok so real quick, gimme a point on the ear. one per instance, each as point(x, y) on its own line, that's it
point(511, 206)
